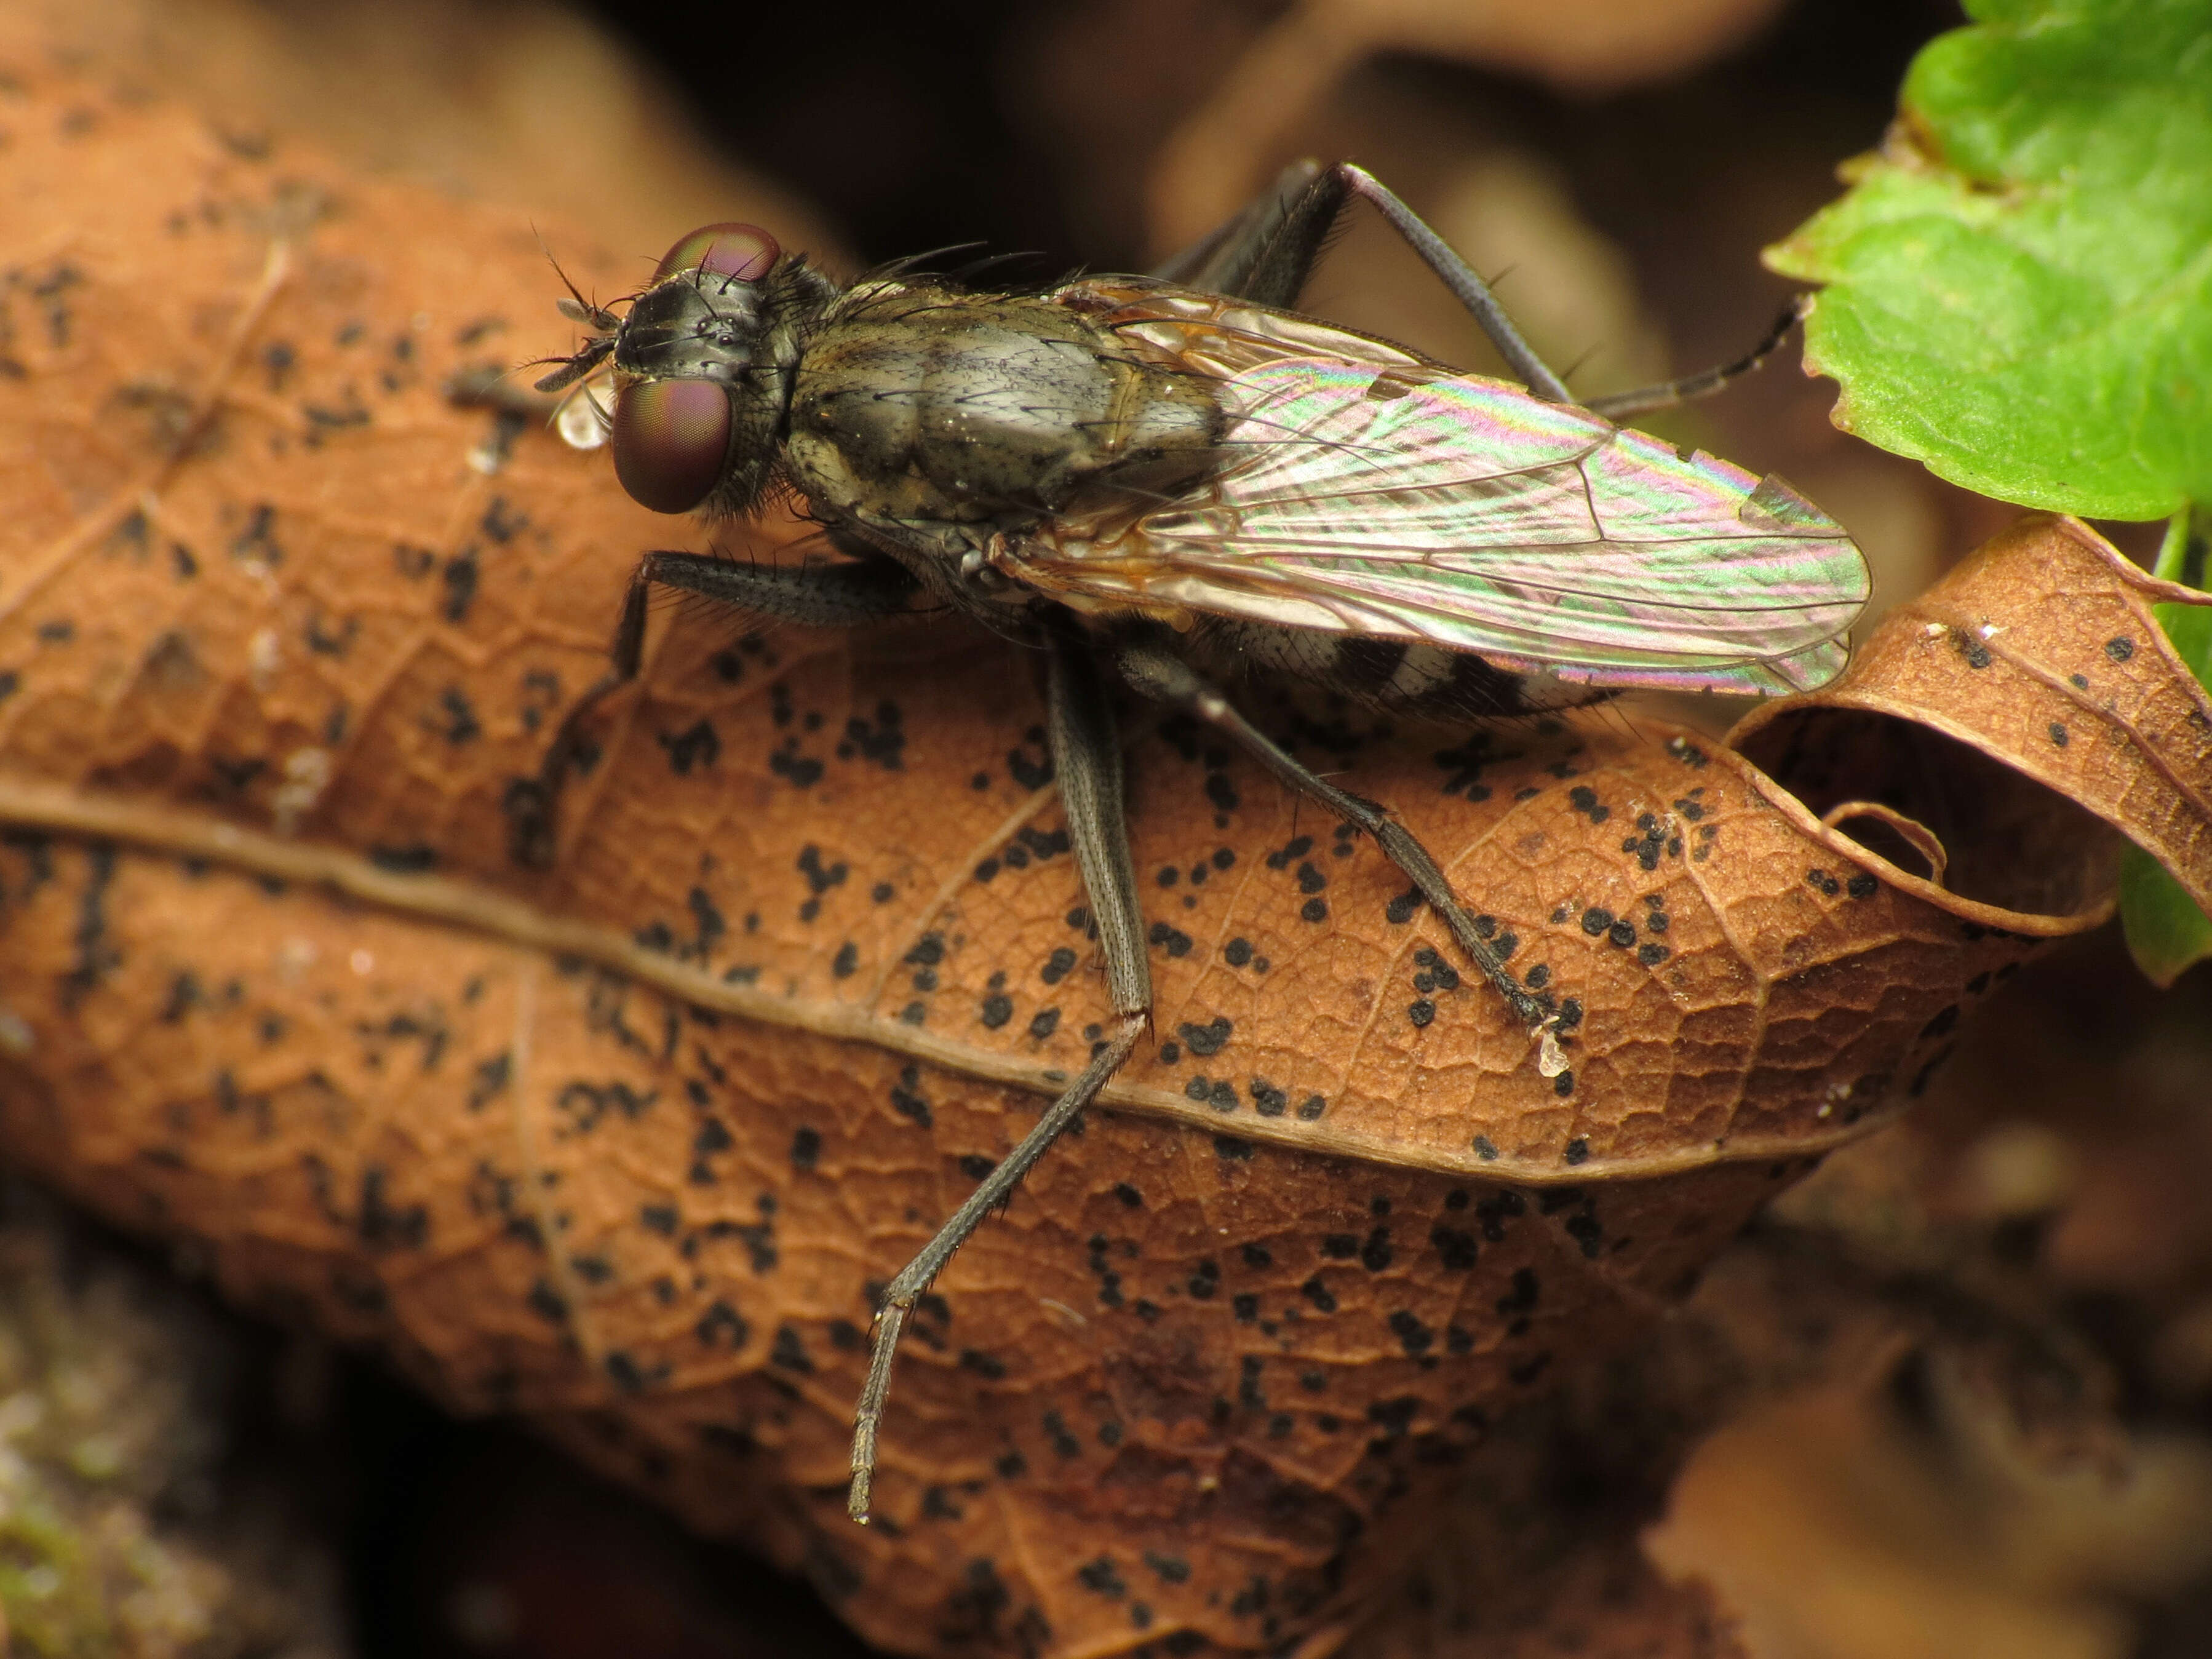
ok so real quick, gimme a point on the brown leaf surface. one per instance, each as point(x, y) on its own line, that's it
point(622, 1145)
point(1482, 1591)
point(2077, 690)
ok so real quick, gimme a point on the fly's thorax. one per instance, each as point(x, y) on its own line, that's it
point(937, 418)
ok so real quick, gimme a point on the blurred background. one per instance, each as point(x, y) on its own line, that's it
point(2014, 1459)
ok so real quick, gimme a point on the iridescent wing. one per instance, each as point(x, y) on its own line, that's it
point(1381, 495)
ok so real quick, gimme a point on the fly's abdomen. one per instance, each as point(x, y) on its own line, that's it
point(1398, 676)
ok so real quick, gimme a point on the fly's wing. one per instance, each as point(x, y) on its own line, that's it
point(1395, 499)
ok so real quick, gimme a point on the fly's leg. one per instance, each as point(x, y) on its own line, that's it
point(813, 596)
point(1227, 258)
point(1088, 762)
point(1163, 677)
point(1265, 254)
point(1470, 290)
point(1705, 382)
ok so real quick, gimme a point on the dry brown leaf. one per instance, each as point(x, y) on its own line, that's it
point(1516, 1574)
point(2082, 695)
point(528, 103)
point(623, 1145)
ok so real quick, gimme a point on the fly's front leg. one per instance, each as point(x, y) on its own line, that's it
point(1088, 762)
point(814, 596)
point(1163, 678)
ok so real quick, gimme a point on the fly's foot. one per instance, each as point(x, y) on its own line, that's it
point(890, 1317)
point(907, 1287)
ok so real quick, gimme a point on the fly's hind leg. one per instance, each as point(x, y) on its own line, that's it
point(1229, 258)
point(1088, 762)
point(1265, 254)
point(814, 596)
point(1159, 675)
point(1705, 382)
point(1268, 250)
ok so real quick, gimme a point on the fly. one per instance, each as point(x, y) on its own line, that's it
point(1177, 481)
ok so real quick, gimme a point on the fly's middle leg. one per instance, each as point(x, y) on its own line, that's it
point(1159, 675)
point(1087, 760)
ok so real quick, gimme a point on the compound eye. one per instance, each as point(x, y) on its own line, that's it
point(670, 438)
point(742, 253)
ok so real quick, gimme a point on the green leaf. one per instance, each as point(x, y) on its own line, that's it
point(2019, 283)
point(2166, 931)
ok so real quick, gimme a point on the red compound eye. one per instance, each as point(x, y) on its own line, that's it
point(670, 438)
point(742, 252)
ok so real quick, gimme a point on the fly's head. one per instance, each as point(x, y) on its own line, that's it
point(702, 360)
